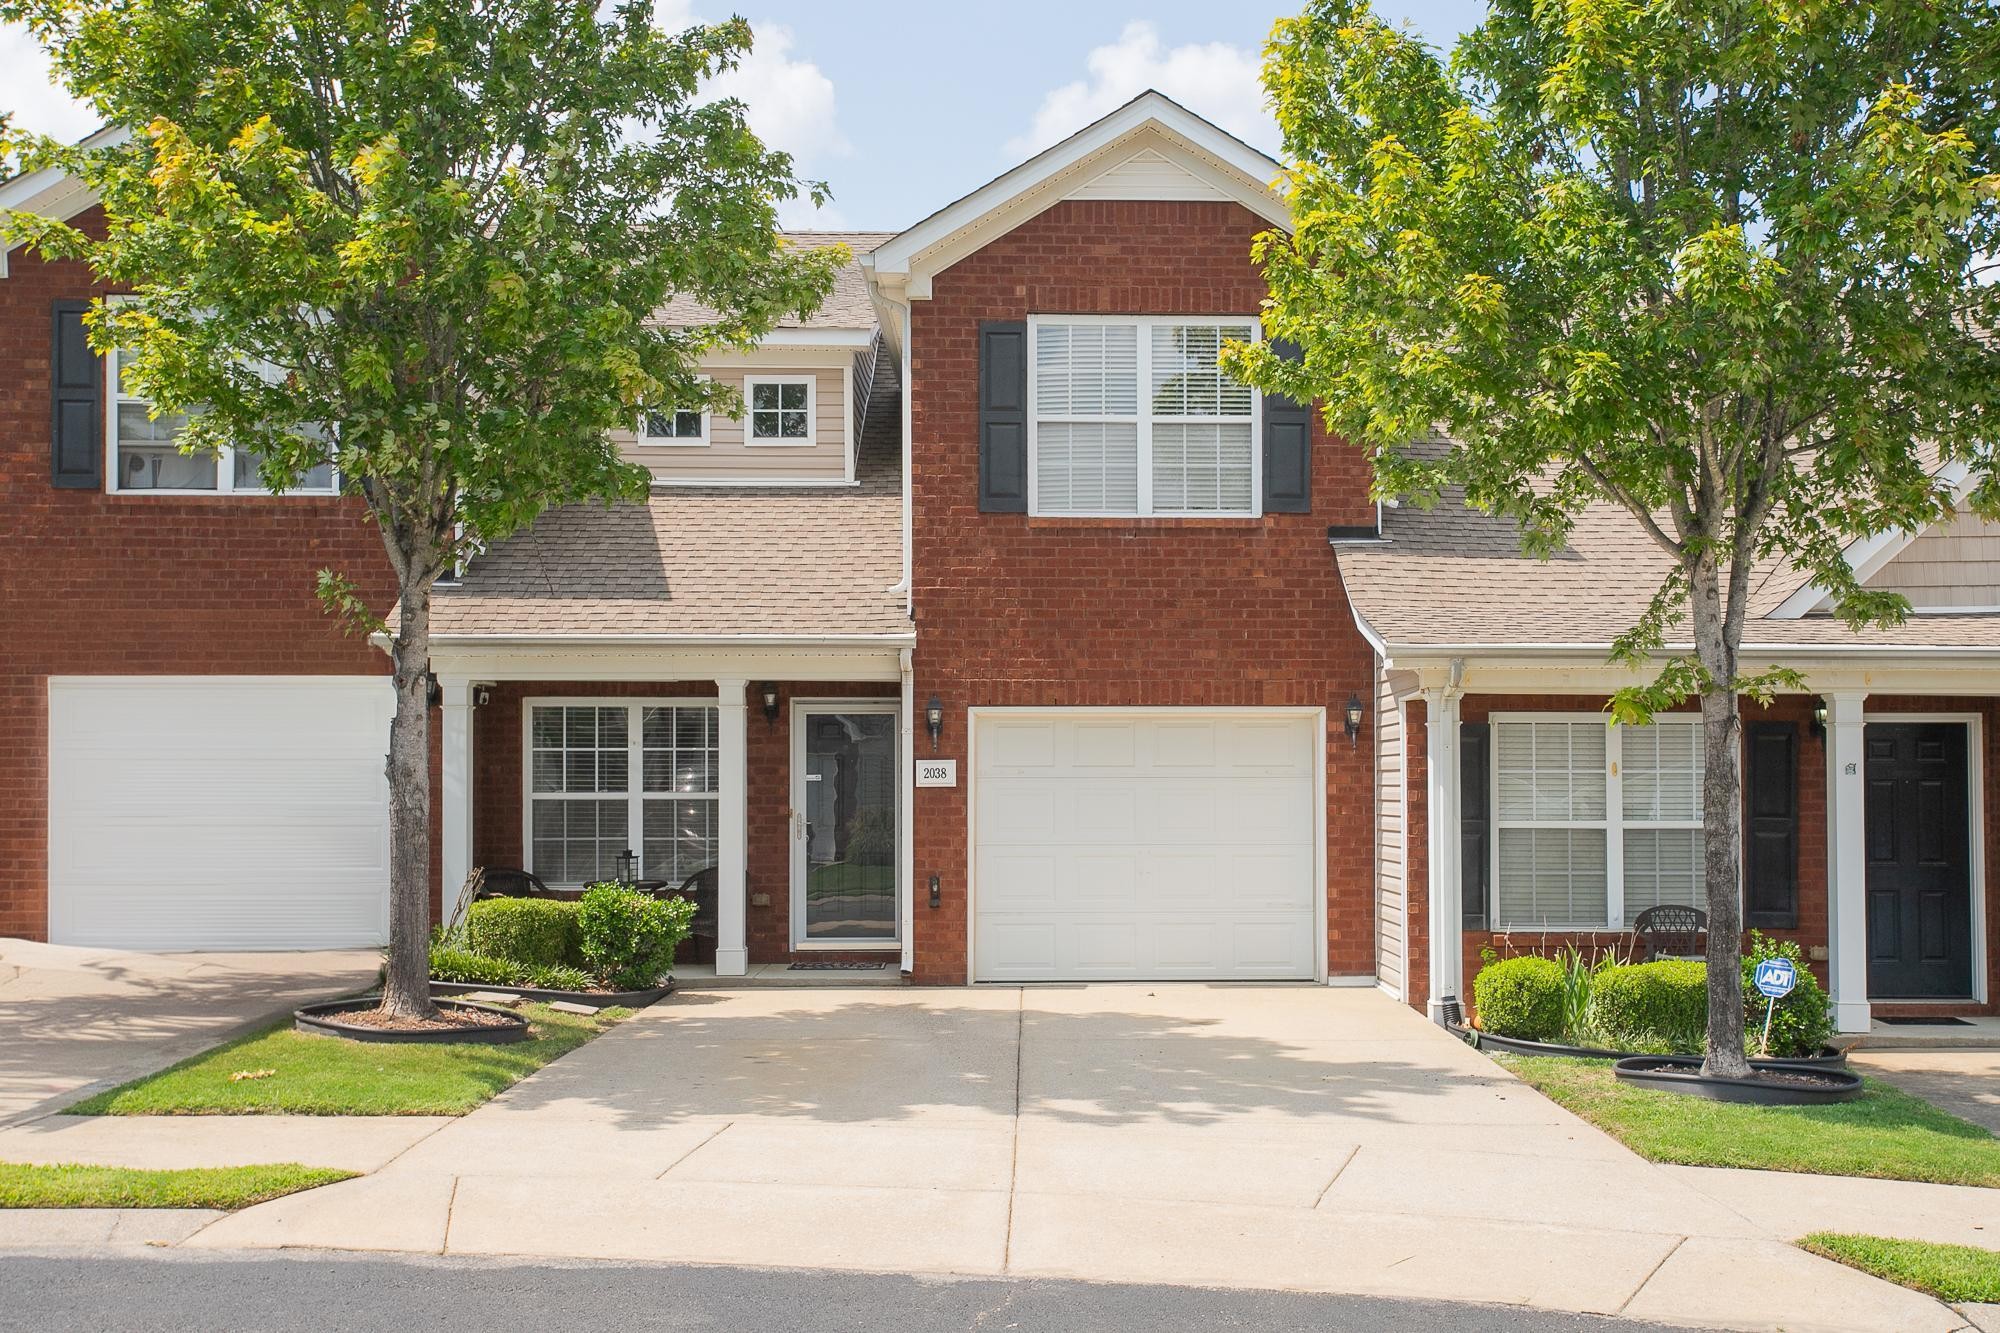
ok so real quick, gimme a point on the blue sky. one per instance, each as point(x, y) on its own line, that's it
point(904, 105)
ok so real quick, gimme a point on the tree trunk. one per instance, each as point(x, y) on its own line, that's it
point(1721, 820)
point(407, 989)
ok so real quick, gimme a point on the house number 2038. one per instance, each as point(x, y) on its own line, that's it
point(937, 772)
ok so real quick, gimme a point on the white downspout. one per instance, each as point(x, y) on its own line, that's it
point(906, 843)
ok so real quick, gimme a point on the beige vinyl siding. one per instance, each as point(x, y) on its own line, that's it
point(864, 382)
point(1954, 565)
point(1391, 928)
point(727, 456)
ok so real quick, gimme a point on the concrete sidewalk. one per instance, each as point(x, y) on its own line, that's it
point(1288, 1138)
point(79, 1019)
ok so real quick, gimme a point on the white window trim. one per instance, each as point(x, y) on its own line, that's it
point(635, 794)
point(750, 440)
point(225, 460)
point(675, 441)
point(1145, 419)
point(1614, 822)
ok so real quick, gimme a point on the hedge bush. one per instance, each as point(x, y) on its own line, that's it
point(535, 932)
point(1520, 997)
point(1803, 1020)
point(451, 963)
point(1655, 1007)
point(628, 937)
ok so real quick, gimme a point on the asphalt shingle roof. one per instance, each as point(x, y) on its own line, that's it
point(846, 307)
point(706, 561)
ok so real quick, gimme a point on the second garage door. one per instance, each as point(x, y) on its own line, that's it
point(218, 812)
point(1117, 844)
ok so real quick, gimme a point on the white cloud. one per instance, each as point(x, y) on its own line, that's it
point(1212, 79)
point(38, 104)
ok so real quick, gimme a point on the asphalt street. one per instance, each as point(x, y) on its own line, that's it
point(322, 1291)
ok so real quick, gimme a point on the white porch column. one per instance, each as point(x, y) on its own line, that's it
point(1847, 859)
point(456, 798)
point(1443, 889)
point(732, 825)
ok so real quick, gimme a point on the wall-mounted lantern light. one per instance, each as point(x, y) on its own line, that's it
point(934, 720)
point(1353, 719)
point(769, 690)
point(1819, 720)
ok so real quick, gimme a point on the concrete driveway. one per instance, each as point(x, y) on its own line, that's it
point(74, 1019)
point(1298, 1138)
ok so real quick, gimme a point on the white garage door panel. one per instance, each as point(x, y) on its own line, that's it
point(218, 813)
point(1145, 846)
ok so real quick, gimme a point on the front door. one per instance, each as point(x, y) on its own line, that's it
point(1919, 862)
point(844, 789)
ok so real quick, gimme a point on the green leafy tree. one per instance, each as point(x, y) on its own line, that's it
point(419, 240)
point(1721, 263)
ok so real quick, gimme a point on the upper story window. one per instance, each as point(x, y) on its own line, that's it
point(1594, 824)
point(146, 456)
point(1132, 416)
point(685, 426)
point(779, 410)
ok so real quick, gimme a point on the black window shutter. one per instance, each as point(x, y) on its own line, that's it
point(1003, 417)
point(1771, 826)
point(1475, 823)
point(1287, 448)
point(76, 446)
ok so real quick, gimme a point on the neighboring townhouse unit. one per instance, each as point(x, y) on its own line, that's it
point(1003, 638)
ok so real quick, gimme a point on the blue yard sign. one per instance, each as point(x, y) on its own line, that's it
point(1776, 977)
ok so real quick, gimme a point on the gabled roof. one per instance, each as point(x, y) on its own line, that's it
point(52, 193)
point(1151, 126)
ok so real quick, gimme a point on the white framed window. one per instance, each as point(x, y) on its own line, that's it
point(144, 454)
point(778, 410)
point(604, 777)
point(1593, 824)
point(683, 427)
point(1130, 416)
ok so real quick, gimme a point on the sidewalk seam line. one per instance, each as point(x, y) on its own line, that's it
point(1352, 1153)
point(1014, 1155)
point(1651, 1273)
point(692, 1151)
point(450, 1215)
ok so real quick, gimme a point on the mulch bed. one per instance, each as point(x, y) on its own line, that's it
point(451, 1019)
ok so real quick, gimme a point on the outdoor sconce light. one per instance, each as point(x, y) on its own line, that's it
point(1353, 720)
point(936, 892)
point(628, 867)
point(934, 720)
point(769, 689)
point(1819, 720)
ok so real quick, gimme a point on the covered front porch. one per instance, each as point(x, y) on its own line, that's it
point(1868, 824)
point(777, 771)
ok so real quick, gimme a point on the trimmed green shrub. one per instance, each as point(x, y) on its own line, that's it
point(1658, 1007)
point(557, 976)
point(536, 932)
point(471, 969)
point(628, 936)
point(1803, 1020)
point(1520, 997)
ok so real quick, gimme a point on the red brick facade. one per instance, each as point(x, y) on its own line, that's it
point(497, 788)
point(98, 584)
point(1012, 610)
point(1812, 930)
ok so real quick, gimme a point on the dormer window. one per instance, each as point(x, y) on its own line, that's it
point(780, 410)
point(682, 426)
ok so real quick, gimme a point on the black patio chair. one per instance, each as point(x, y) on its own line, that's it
point(700, 887)
point(1671, 931)
point(509, 882)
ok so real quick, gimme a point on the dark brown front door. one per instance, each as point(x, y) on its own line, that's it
point(1919, 862)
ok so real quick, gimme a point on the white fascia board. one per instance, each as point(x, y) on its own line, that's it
point(785, 356)
point(1243, 171)
point(1867, 556)
point(1493, 670)
point(823, 337)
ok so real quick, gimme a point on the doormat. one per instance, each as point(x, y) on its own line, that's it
point(1939, 1022)
point(836, 967)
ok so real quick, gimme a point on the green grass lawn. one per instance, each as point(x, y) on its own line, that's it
point(1957, 1273)
point(122, 1187)
point(1885, 1133)
point(314, 1075)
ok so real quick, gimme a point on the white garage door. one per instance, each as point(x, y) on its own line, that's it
point(218, 812)
point(1117, 844)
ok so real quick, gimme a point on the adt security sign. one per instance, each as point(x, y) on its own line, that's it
point(1776, 977)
